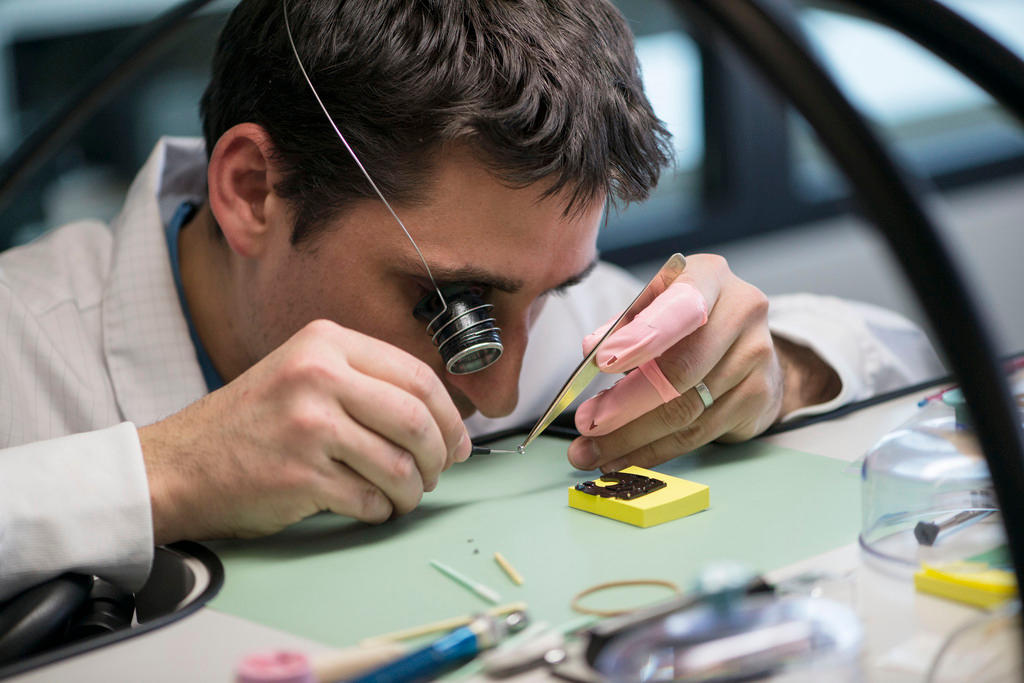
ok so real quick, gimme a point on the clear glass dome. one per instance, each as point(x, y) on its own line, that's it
point(926, 494)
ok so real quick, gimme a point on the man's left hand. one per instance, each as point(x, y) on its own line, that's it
point(709, 327)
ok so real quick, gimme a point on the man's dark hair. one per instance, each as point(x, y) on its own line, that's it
point(541, 90)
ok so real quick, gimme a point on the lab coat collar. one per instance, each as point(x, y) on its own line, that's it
point(149, 354)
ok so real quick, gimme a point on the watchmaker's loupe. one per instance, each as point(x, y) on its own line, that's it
point(456, 315)
point(465, 333)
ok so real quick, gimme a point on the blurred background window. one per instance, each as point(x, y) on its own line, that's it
point(47, 47)
point(943, 125)
point(671, 66)
point(745, 164)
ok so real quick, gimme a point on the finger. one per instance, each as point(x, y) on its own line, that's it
point(709, 273)
point(676, 371)
point(695, 357)
point(704, 273)
point(345, 492)
point(673, 315)
point(591, 451)
point(390, 364)
point(712, 424)
point(662, 420)
point(658, 381)
point(393, 470)
point(591, 340)
point(739, 318)
point(738, 412)
point(629, 398)
point(401, 418)
point(655, 450)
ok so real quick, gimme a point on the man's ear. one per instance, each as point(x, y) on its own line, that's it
point(241, 178)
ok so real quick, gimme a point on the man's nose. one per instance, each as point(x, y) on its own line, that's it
point(495, 390)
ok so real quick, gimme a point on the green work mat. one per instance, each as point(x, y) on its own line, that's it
point(338, 581)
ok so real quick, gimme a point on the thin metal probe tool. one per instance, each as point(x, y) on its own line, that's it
point(444, 303)
point(482, 450)
point(355, 158)
point(928, 533)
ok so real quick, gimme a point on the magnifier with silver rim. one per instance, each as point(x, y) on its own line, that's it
point(459, 321)
point(465, 333)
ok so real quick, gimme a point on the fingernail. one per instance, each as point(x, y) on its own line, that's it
point(614, 466)
point(585, 416)
point(463, 449)
point(585, 454)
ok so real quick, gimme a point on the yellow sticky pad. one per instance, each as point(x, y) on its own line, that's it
point(972, 583)
point(678, 498)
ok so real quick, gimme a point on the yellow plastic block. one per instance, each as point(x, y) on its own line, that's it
point(973, 583)
point(678, 498)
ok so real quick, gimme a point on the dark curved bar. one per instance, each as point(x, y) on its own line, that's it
point(956, 40)
point(183, 549)
point(773, 44)
point(110, 77)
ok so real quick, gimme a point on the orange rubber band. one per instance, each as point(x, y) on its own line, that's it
point(578, 607)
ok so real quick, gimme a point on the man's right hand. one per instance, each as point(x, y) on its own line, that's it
point(331, 420)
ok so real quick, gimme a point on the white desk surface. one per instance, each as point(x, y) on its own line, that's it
point(902, 628)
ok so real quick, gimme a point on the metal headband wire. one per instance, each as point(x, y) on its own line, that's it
point(298, 59)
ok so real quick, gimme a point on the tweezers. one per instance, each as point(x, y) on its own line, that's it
point(587, 370)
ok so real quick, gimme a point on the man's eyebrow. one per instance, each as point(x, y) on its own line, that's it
point(472, 275)
point(575, 279)
point(477, 276)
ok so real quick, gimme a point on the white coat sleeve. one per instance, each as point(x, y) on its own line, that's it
point(872, 349)
point(77, 503)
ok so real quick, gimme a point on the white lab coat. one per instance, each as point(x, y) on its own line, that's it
point(93, 342)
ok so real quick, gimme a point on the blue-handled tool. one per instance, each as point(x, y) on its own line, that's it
point(447, 652)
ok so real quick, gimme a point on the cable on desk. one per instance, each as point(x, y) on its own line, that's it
point(564, 426)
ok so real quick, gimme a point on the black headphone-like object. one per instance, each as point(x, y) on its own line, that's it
point(466, 335)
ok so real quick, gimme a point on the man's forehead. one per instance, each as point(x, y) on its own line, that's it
point(476, 228)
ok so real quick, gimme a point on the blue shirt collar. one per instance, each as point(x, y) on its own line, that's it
point(183, 215)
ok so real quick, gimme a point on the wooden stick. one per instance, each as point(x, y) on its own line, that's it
point(439, 626)
point(516, 577)
point(347, 663)
point(476, 587)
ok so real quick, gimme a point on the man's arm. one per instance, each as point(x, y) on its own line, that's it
point(807, 380)
point(78, 503)
point(331, 420)
point(870, 349)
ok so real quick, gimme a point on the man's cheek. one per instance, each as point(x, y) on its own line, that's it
point(462, 403)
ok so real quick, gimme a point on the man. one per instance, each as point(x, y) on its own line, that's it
point(238, 351)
